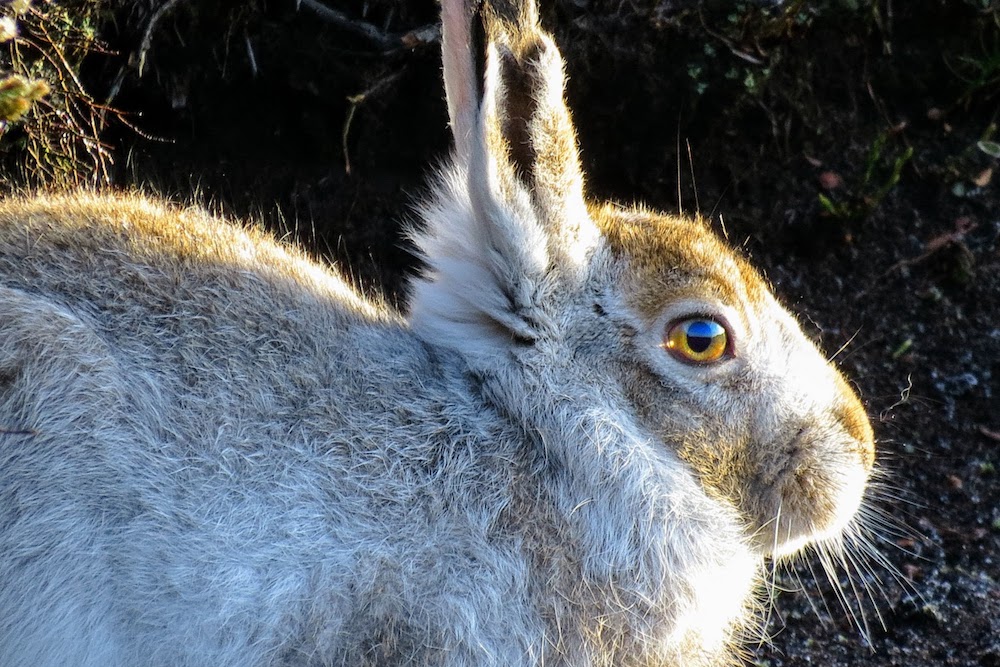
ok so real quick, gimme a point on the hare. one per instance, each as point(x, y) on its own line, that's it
point(579, 446)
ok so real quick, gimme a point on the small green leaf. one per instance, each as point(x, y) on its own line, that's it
point(991, 148)
point(902, 348)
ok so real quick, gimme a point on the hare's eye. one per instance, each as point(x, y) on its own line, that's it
point(698, 340)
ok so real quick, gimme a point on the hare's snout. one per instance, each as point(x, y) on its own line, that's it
point(815, 492)
point(811, 481)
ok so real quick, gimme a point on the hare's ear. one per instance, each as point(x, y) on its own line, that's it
point(462, 52)
point(510, 216)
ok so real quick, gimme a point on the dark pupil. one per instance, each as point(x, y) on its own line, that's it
point(700, 335)
point(699, 343)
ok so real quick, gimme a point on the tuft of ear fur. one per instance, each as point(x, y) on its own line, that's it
point(508, 223)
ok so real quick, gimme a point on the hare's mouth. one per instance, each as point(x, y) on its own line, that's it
point(815, 505)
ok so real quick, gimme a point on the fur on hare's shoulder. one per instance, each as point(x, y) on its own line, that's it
point(577, 447)
point(129, 228)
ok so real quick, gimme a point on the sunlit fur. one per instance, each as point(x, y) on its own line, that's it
point(214, 452)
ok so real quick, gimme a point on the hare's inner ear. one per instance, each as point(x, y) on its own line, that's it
point(462, 54)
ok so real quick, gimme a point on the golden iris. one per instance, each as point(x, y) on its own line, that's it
point(697, 339)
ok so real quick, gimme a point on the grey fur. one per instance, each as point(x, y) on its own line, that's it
point(213, 452)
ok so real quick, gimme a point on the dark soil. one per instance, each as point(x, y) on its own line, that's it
point(750, 115)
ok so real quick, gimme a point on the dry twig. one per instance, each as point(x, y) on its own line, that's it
point(386, 41)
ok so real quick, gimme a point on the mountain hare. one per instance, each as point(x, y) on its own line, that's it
point(578, 447)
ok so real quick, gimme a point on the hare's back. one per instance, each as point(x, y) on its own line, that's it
point(140, 253)
point(201, 431)
point(199, 326)
point(206, 332)
point(201, 308)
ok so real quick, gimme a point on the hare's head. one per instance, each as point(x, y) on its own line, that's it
point(653, 308)
point(723, 373)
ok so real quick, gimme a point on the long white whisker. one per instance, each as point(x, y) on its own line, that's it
point(845, 345)
point(853, 560)
point(771, 581)
point(887, 525)
point(827, 560)
point(680, 199)
point(812, 573)
point(843, 556)
point(694, 183)
point(805, 591)
point(865, 541)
